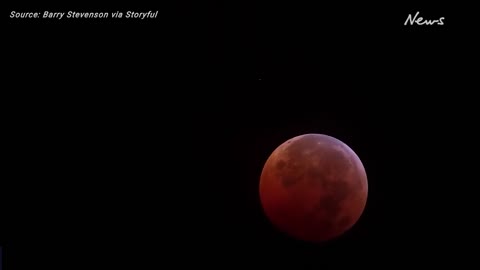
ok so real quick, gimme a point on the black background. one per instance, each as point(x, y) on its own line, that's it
point(143, 141)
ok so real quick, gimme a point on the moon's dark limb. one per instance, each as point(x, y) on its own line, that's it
point(313, 187)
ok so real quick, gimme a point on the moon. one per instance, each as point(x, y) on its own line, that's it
point(313, 187)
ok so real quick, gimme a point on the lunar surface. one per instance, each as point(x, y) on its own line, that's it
point(313, 187)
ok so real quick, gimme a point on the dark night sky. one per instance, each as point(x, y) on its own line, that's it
point(154, 152)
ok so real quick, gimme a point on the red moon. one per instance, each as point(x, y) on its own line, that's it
point(313, 187)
